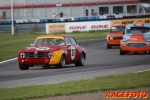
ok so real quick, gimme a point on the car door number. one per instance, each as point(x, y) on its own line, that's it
point(73, 52)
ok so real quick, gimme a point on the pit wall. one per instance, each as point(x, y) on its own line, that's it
point(87, 26)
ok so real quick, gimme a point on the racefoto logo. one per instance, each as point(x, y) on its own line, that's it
point(127, 94)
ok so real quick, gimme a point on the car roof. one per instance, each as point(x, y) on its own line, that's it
point(62, 36)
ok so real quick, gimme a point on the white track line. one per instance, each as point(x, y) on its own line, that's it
point(142, 71)
point(8, 60)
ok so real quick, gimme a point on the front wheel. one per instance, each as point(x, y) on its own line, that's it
point(24, 66)
point(81, 60)
point(108, 46)
point(122, 52)
point(62, 62)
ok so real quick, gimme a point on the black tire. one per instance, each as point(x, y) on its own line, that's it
point(80, 61)
point(23, 67)
point(108, 46)
point(122, 52)
point(62, 62)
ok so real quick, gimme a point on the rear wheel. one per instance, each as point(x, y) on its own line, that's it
point(24, 66)
point(81, 60)
point(62, 62)
point(108, 46)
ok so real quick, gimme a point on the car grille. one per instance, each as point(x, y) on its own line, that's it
point(118, 37)
point(136, 44)
point(36, 55)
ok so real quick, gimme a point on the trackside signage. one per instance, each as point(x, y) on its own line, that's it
point(92, 25)
point(129, 21)
point(77, 26)
point(55, 28)
point(86, 26)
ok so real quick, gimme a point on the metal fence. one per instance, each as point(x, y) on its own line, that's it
point(23, 28)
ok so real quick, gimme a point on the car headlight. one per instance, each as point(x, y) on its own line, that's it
point(148, 43)
point(22, 55)
point(111, 38)
point(50, 55)
point(123, 43)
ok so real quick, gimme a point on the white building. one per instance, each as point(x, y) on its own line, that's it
point(28, 9)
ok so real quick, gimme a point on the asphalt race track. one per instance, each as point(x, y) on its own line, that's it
point(99, 62)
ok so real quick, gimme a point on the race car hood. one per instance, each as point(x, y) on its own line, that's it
point(41, 48)
point(136, 37)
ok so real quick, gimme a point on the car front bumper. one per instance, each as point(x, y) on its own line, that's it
point(40, 61)
point(114, 42)
point(135, 49)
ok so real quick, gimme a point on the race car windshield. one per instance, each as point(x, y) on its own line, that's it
point(49, 41)
point(117, 29)
point(140, 30)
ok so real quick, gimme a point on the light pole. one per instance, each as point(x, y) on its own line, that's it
point(12, 19)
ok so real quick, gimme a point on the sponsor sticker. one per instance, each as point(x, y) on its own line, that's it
point(42, 48)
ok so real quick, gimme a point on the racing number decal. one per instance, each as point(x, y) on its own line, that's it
point(73, 52)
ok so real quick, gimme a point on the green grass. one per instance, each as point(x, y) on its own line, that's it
point(114, 82)
point(11, 44)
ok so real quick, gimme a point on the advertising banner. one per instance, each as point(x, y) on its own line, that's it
point(86, 26)
point(92, 25)
point(129, 21)
point(77, 26)
point(55, 28)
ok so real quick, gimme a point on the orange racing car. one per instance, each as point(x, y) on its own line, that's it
point(136, 39)
point(114, 35)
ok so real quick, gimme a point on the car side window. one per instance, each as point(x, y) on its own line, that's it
point(73, 42)
point(70, 41)
point(59, 42)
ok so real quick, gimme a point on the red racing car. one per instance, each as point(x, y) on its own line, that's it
point(52, 50)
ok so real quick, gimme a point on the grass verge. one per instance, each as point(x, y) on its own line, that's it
point(114, 82)
point(11, 44)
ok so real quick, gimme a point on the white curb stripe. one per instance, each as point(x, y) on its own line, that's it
point(142, 71)
point(8, 60)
